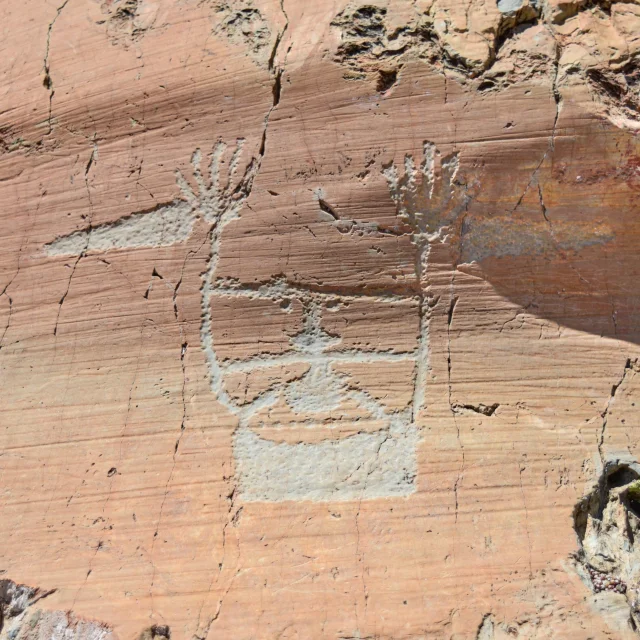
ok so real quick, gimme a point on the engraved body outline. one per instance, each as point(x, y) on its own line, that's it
point(363, 465)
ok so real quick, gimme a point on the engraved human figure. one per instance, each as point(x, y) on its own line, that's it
point(369, 464)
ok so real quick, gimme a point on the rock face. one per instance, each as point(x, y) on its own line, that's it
point(319, 319)
point(20, 619)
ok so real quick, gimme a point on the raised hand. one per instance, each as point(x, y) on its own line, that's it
point(219, 199)
point(429, 198)
point(215, 199)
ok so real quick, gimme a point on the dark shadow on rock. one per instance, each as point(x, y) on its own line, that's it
point(569, 250)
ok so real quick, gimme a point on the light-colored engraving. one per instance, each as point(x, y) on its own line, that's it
point(363, 465)
point(162, 227)
point(429, 198)
point(431, 201)
point(309, 379)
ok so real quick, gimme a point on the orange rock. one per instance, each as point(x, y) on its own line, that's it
point(319, 319)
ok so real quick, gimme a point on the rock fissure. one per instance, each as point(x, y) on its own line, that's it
point(521, 469)
point(629, 366)
point(48, 81)
point(518, 41)
point(93, 158)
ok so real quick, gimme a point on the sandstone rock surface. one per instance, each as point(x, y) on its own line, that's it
point(319, 319)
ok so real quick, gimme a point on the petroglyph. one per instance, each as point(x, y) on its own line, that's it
point(162, 227)
point(128, 20)
point(362, 465)
point(502, 236)
point(429, 198)
point(312, 423)
point(171, 223)
point(308, 380)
